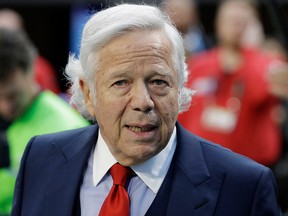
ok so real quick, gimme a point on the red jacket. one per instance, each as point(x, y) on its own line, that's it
point(234, 110)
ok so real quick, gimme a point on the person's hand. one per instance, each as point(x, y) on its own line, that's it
point(278, 79)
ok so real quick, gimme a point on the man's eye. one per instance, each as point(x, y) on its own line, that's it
point(159, 82)
point(121, 83)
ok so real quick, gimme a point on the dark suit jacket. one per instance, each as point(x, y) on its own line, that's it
point(204, 179)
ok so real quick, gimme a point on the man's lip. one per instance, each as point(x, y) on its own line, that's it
point(141, 127)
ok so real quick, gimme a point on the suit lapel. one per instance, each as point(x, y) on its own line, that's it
point(66, 170)
point(190, 188)
point(191, 199)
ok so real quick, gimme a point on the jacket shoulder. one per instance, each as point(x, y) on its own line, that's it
point(217, 158)
point(65, 138)
point(220, 158)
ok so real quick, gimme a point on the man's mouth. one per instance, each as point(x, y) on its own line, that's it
point(141, 128)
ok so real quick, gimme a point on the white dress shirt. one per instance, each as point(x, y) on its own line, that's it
point(142, 188)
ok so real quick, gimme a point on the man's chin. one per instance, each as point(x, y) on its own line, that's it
point(140, 155)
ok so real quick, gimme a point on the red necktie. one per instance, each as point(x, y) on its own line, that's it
point(117, 202)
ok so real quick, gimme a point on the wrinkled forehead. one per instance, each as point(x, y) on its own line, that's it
point(137, 39)
point(156, 37)
point(142, 44)
point(137, 46)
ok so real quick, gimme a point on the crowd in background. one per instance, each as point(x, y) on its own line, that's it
point(240, 83)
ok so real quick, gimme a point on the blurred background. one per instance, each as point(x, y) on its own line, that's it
point(55, 28)
point(55, 25)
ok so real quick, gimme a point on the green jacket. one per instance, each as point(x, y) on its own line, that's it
point(47, 114)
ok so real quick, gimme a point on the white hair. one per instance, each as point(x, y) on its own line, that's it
point(110, 23)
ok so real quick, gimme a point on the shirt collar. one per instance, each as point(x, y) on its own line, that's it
point(152, 172)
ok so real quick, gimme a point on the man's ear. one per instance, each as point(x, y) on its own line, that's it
point(88, 96)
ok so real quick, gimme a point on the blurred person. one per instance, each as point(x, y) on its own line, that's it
point(184, 14)
point(45, 74)
point(130, 79)
point(233, 105)
point(26, 110)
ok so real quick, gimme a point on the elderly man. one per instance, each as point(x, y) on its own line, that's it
point(136, 159)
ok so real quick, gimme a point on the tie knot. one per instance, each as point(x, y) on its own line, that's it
point(120, 174)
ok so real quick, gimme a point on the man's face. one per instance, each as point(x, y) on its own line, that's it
point(232, 21)
point(15, 95)
point(136, 95)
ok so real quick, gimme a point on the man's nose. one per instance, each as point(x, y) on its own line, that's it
point(141, 98)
